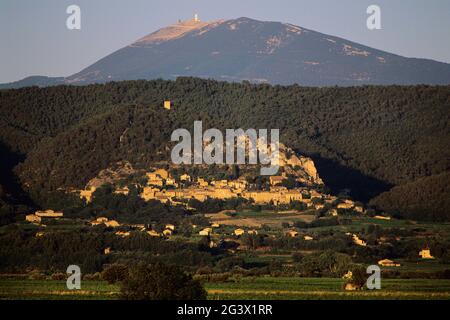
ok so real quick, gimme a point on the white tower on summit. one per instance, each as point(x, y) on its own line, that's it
point(196, 19)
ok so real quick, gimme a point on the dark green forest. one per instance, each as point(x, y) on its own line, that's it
point(388, 145)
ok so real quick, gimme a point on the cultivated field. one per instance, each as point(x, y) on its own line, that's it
point(252, 219)
point(245, 288)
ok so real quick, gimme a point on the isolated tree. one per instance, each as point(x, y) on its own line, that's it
point(358, 278)
point(161, 282)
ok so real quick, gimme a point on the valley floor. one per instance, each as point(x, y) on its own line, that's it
point(271, 288)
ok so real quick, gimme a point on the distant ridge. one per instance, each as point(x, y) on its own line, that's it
point(257, 51)
point(40, 81)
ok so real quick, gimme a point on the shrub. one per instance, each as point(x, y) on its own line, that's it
point(115, 273)
point(161, 282)
point(92, 276)
point(36, 275)
point(58, 276)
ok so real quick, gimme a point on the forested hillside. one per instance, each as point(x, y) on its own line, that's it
point(365, 139)
point(426, 197)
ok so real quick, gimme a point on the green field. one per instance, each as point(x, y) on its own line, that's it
point(326, 288)
point(11, 288)
point(245, 288)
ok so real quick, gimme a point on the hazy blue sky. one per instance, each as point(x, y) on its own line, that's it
point(35, 40)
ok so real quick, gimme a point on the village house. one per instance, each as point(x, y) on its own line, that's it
point(171, 182)
point(330, 199)
point(308, 238)
point(276, 180)
point(87, 194)
point(212, 244)
point(359, 209)
point(36, 218)
point(99, 220)
point(425, 254)
point(163, 173)
point(352, 287)
point(262, 197)
point(148, 193)
point(195, 193)
point(291, 195)
point(205, 232)
point(215, 225)
point(107, 250)
point(172, 193)
point(161, 197)
point(315, 194)
point(185, 177)
point(112, 223)
point(348, 275)
point(252, 232)
point(167, 104)
point(122, 234)
point(222, 193)
point(49, 214)
point(220, 183)
point(157, 177)
point(202, 182)
point(167, 232)
point(358, 241)
point(105, 221)
point(292, 233)
point(278, 188)
point(170, 227)
point(156, 182)
point(382, 218)
point(333, 212)
point(345, 205)
point(239, 184)
point(33, 218)
point(140, 227)
point(239, 232)
point(39, 234)
point(153, 233)
point(388, 263)
point(123, 191)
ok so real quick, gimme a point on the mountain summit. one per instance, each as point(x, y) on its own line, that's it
point(173, 32)
point(257, 51)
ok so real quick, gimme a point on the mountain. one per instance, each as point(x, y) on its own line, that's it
point(257, 51)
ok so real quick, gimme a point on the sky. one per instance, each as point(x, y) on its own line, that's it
point(35, 40)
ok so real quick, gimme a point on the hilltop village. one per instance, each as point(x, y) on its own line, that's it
point(298, 185)
point(297, 182)
point(299, 172)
